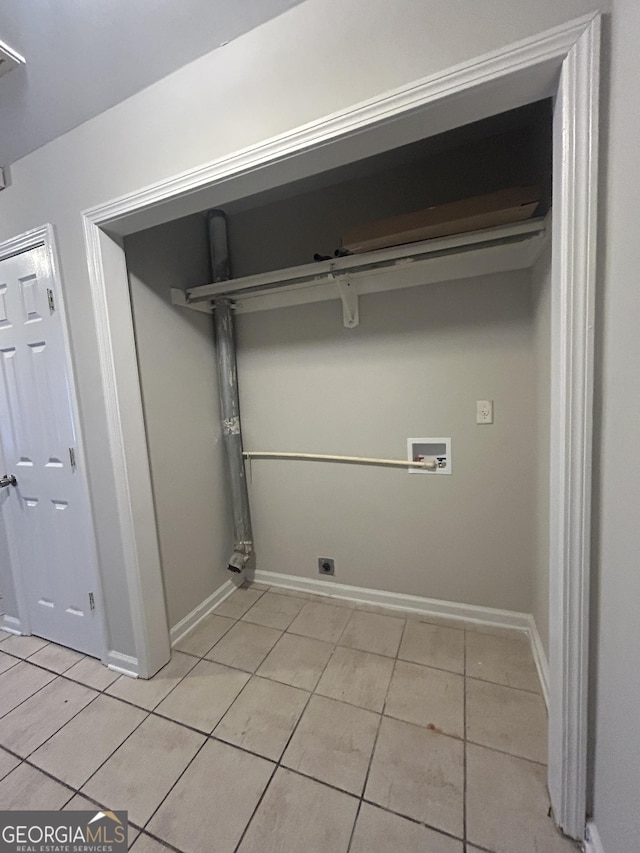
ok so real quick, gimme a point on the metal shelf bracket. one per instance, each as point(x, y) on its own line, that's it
point(349, 297)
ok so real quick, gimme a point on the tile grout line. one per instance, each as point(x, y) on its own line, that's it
point(377, 735)
point(413, 820)
point(53, 734)
point(163, 800)
point(286, 746)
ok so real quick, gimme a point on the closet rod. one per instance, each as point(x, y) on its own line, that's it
point(429, 464)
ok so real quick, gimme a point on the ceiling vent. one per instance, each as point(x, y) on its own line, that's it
point(9, 58)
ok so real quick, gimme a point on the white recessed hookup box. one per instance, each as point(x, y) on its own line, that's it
point(419, 449)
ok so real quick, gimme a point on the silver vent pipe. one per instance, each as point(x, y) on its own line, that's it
point(229, 399)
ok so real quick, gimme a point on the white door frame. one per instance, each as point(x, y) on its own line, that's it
point(564, 63)
point(20, 623)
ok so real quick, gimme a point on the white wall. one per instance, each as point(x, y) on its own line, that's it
point(415, 366)
point(176, 359)
point(541, 295)
point(616, 674)
point(292, 70)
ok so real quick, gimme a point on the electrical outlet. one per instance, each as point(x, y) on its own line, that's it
point(326, 566)
point(484, 411)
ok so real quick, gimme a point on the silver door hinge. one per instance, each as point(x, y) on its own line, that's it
point(72, 458)
point(52, 304)
point(92, 602)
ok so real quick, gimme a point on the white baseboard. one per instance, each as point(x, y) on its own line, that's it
point(189, 622)
point(592, 842)
point(11, 624)
point(469, 613)
point(540, 658)
point(124, 664)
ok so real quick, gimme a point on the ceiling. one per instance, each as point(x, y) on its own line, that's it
point(84, 56)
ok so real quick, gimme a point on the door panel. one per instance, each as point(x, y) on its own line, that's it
point(46, 514)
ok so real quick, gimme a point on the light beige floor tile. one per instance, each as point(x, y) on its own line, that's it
point(333, 743)
point(20, 682)
point(429, 697)
point(274, 611)
point(433, 645)
point(7, 763)
point(99, 730)
point(504, 659)
point(383, 610)
point(418, 773)
point(141, 772)
point(6, 662)
point(293, 593)
point(23, 647)
point(56, 658)
point(378, 831)
point(203, 697)
point(262, 717)
point(26, 788)
point(357, 677)
point(438, 619)
point(92, 673)
point(237, 604)
point(245, 646)
point(149, 693)
point(298, 814)
point(372, 632)
point(298, 661)
point(335, 600)
point(26, 727)
point(513, 721)
point(251, 584)
point(82, 804)
point(205, 635)
point(507, 805)
point(146, 844)
point(214, 800)
point(320, 621)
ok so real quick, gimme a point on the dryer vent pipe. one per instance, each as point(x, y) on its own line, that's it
point(229, 399)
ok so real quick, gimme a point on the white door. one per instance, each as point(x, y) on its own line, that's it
point(46, 514)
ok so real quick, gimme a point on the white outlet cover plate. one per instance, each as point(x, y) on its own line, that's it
point(484, 411)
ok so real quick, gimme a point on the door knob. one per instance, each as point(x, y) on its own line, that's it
point(7, 480)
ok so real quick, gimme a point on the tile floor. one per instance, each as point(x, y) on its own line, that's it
point(288, 723)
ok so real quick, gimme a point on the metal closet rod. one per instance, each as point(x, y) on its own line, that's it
point(428, 464)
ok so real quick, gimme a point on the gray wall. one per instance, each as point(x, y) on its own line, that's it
point(541, 295)
point(177, 365)
point(7, 591)
point(616, 674)
point(414, 367)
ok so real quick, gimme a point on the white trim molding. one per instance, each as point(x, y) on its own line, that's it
point(191, 620)
point(124, 664)
point(512, 76)
point(592, 842)
point(470, 614)
point(11, 624)
point(575, 144)
point(540, 658)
